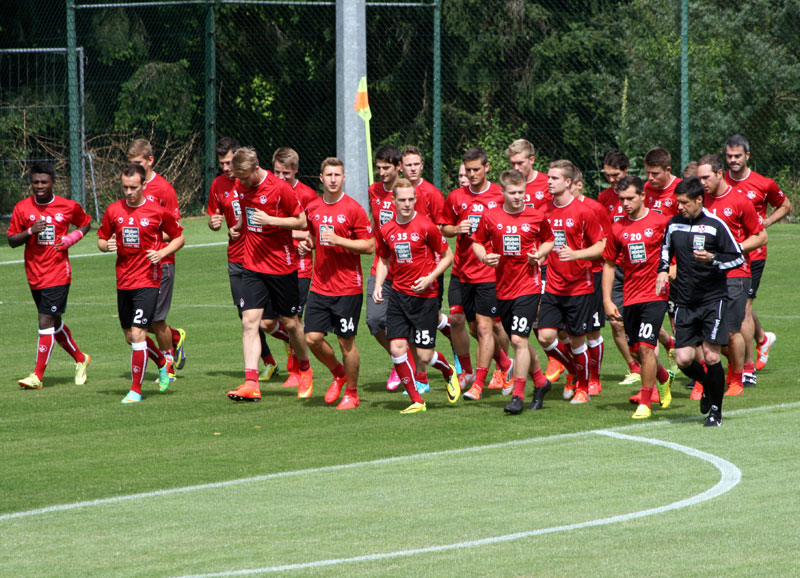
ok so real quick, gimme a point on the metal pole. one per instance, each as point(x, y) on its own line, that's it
point(684, 83)
point(437, 95)
point(76, 191)
point(210, 169)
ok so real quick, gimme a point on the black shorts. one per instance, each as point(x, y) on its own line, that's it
point(544, 277)
point(617, 289)
point(756, 271)
point(519, 315)
point(440, 291)
point(738, 290)
point(699, 323)
point(136, 307)
point(643, 322)
point(164, 301)
point(413, 318)
point(51, 300)
point(571, 312)
point(598, 318)
point(339, 314)
point(479, 299)
point(276, 295)
point(303, 287)
point(454, 299)
point(235, 273)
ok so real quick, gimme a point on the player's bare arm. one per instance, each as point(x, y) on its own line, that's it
point(540, 255)
point(381, 271)
point(607, 284)
point(215, 221)
point(489, 259)
point(661, 282)
point(779, 213)
point(753, 242)
point(293, 223)
point(357, 246)
point(171, 247)
point(422, 284)
point(566, 253)
point(68, 241)
point(20, 238)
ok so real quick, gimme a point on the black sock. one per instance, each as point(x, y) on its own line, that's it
point(265, 351)
point(715, 383)
point(695, 371)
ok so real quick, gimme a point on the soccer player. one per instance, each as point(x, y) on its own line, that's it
point(472, 292)
point(41, 222)
point(634, 245)
point(761, 191)
point(514, 239)
point(704, 250)
point(157, 189)
point(463, 181)
point(270, 212)
point(224, 207)
point(340, 233)
point(659, 190)
point(569, 292)
point(134, 227)
point(521, 156)
point(285, 165)
point(747, 228)
point(411, 246)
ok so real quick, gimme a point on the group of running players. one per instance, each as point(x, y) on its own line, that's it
point(532, 253)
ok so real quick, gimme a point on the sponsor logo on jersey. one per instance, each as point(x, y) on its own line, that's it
point(698, 242)
point(403, 252)
point(475, 220)
point(512, 245)
point(47, 236)
point(130, 237)
point(637, 253)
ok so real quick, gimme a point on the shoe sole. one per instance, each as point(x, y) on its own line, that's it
point(235, 397)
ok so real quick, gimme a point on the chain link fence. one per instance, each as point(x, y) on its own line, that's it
point(575, 78)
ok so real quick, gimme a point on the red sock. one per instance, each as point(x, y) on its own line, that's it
point(64, 338)
point(661, 374)
point(351, 390)
point(43, 350)
point(268, 359)
point(595, 358)
point(466, 363)
point(519, 387)
point(736, 377)
point(251, 375)
point(558, 351)
point(303, 365)
point(176, 337)
point(480, 377)
point(580, 360)
point(444, 326)
point(406, 374)
point(439, 362)
point(703, 363)
point(338, 371)
point(635, 367)
point(750, 367)
point(539, 380)
point(138, 365)
point(762, 342)
point(647, 394)
point(502, 360)
point(280, 332)
point(421, 376)
point(154, 352)
point(671, 343)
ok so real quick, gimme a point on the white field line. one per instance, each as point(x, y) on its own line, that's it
point(99, 254)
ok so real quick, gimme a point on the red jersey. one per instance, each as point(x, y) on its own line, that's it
point(305, 263)
point(137, 230)
point(537, 193)
point(662, 200)
point(430, 201)
point(609, 198)
point(413, 251)
point(605, 223)
point(464, 205)
point(636, 247)
point(740, 215)
point(269, 249)
point(576, 226)
point(513, 236)
point(160, 191)
point(761, 191)
point(337, 271)
point(223, 197)
point(44, 266)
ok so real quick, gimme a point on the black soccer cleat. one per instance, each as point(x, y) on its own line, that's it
point(514, 406)
point(714, 418)
point(538, 395)
point(690, 384)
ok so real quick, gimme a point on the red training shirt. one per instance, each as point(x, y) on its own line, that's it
point(537, 193)
point(761, 191)
point(305, 263)
point(160, 191)
point(741, 217)
point(662, 200)
point(224, 197)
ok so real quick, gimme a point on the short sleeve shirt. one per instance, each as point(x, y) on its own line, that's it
point(740, 215)
point(160, 191)
point(662, 200)
point(537, 193)
point(761, 191)
point(224, 197)
point(305, 263)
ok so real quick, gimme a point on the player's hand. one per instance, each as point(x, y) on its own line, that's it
point(112, 244)
point(491, 259)
point(304, 247)
point(703, 256)
point(673, 272)
point(153, 256)
point(612, 312)
point(234, 233)
point(661, 283)
point(377, 295)
point(422, 284)
point(215, 221)
point(566, 254)
point(328, 237)
point(536, 259)
point(464, 227)
point(38, 225)
point(261, 218)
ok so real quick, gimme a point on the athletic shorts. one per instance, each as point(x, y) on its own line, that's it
point(339, 314)
point(413, 318)
point(164, 301)
point(440, 291)
point(544, 276)
point(136, 307)
point(643, 322)
point(275, 294)
point(738, 290)
point(51, 300)
point(303, 287)
point(598, 318)
point(617, 295)
point(756, 271)
point(376, 312)
point(454, 299)
point(518, 315)
point(479, 299)
point(573, 313)
point(699, 323)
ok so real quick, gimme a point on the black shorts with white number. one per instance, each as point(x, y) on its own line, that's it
point(519, 315)
point(698, 323)
point(337, 314)
point(275, 294)
point(643, 321)
point(479, 299)
point(598, 320)
point(571, 312)
point(136, 307)
point(51, 300)
point(413, 318)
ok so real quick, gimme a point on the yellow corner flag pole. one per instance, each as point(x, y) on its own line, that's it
point(362, 108)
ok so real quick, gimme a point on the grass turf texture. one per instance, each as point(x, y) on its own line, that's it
point(69, 443)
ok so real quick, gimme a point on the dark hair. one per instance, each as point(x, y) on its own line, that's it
point(658, 157)
point(475, 154)
point(617, 159)
point(132, 169)
point(631, 181)
point(225, 145)
point(43, 168)
point(692, 188)
point(713, 160)
point(389, 154)
point(738, 140)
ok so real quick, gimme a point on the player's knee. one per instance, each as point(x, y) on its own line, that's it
point(518, 341)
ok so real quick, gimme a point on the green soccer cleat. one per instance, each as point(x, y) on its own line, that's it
point(453, 387)
point(665, 390)
point(180, 354)
point(642, 412)
point(415, 407)
point(31, 382)
point(632, 379)
point(132, 397)
point(80, 369)
point(268, 372)
point(164, 378)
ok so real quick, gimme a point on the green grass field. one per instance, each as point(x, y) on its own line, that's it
point(189, 483)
